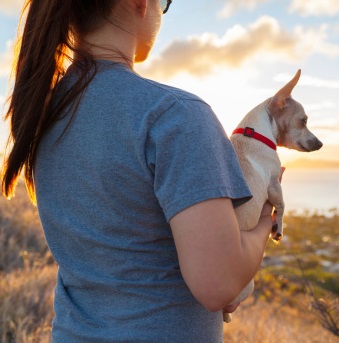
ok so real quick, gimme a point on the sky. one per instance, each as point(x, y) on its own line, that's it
point(235, 54)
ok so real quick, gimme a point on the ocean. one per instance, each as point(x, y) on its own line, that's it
point(311, 189)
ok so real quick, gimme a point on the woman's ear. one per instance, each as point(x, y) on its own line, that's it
point(142, 7)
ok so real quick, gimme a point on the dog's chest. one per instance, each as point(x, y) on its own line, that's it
point(259, 168)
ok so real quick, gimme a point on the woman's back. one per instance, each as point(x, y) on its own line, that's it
point(118, 266)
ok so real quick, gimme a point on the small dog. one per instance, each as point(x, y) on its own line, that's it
point(278, 121)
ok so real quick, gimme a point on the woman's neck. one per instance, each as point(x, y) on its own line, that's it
point(110, 42)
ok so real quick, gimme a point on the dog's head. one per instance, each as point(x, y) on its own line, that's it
point(291, 120)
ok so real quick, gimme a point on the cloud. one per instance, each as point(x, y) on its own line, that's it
point(6, 60)
point(2, 103)
point(309, 81)
point(315, 7)
point(233, 6)
point(11, 7)
point(266, 38)
point(321, 106)
point(327, 128)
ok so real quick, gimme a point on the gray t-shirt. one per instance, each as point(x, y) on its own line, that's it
point(136, 153)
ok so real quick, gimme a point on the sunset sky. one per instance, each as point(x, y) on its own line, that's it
point(235, 54)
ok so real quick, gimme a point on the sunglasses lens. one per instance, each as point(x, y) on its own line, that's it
point(163, 4)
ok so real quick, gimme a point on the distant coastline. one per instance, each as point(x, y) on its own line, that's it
point(312, 164)
point(311, 188)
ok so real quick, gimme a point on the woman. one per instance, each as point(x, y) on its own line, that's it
point(135, 181)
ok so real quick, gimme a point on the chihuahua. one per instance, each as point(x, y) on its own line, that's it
point(278, 121)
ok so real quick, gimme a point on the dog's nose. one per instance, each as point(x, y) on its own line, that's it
point(319, 144)
point(314, 144)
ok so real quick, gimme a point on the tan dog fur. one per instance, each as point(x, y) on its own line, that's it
point(283, 121)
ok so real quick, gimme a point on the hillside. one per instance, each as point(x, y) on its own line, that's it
point(295, 299)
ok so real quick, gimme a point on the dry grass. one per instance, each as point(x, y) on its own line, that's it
point(20, 231)
point(26, 304)
point(27, 274)
point(276, 323)
point(27, 280)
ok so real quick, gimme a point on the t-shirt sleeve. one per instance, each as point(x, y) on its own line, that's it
point(192, 159)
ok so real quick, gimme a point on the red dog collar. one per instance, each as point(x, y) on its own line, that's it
point(250, 132)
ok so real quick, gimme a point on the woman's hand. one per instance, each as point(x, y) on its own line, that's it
point(226, 312)
point(230, 308)
point(267, 210)
point(282, 172)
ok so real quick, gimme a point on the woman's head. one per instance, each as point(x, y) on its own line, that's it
point(127, 29)
point(55, 33)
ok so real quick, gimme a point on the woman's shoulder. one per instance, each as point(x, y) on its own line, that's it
point(176, 93)
point(147, 87)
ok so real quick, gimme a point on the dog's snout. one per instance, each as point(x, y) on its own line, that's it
point(310, 145)
point(315, 144)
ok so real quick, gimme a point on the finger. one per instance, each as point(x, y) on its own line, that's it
point(282, 172)
point(266, 209)
point(230, 308)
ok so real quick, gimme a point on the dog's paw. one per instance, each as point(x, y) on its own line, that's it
point(275, 235)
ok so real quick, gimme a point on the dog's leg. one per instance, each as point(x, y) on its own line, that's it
point(275, 197)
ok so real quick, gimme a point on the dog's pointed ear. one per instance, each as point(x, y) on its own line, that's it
point(284, 93)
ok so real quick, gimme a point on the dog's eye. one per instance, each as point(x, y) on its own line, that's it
point(304, 120)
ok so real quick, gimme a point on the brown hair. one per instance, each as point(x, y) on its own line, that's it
point(45, 46)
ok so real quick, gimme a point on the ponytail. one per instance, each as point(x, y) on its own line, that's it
point(46, 46)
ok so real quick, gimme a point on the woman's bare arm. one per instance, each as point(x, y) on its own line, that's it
point(217, 260)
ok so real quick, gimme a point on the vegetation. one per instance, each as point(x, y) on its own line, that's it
point(296, 294)
point(27, 274)
point(295, 300)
